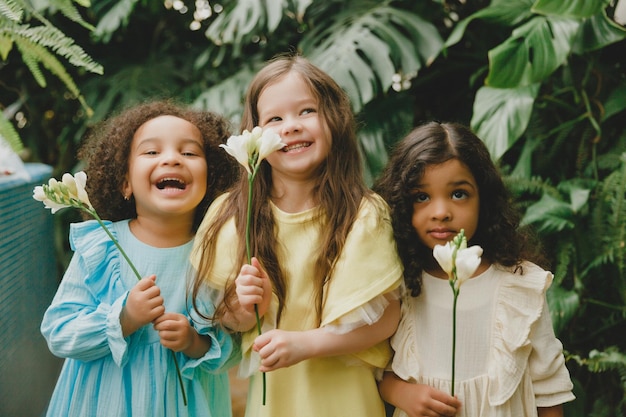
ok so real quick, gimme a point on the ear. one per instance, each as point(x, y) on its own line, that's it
point(126, 190)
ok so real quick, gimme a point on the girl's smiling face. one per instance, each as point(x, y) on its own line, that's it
point(167, 169)
point(288, 107)
point(445, 201)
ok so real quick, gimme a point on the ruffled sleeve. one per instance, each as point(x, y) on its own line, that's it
point(405, 362)
point(367, 268)
point(82, 321)
point(224, 351)
point(519, 305)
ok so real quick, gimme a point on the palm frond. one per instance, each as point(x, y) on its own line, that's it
point(227, 96)
point(363, 52)
point(113, 19)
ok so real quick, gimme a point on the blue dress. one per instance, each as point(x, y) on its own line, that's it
point(108, 375)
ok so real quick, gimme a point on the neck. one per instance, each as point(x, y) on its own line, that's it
point(162, 233)
point(293, 196)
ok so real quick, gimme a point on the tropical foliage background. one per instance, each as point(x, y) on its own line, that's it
point(543, 83)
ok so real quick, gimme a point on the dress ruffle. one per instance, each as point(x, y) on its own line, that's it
point(101, 259)
point(519, 304)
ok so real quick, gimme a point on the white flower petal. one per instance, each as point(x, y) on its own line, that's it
point(270, 142)
point(443, 256)
point(467, 261)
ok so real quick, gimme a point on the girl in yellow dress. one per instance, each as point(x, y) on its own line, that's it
point(326, 266)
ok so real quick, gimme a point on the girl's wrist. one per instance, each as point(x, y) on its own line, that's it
point(199, 345)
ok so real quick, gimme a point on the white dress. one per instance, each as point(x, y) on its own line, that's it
point(508, 360)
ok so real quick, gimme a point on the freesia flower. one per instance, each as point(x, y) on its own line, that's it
point(249, 149)
point(459, 262)
point(70, 192)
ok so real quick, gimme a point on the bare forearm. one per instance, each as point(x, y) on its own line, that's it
point(199, 346)
point(326, 343)
point(556, 411)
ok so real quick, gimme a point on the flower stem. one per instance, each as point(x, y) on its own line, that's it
point(249, 256)
point(119, 247)
point(456, 296)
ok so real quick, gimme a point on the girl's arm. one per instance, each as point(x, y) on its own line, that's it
point(416, 400)
point(280, 348)
point(556, 411)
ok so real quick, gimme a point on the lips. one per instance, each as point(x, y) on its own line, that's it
point(442, 233)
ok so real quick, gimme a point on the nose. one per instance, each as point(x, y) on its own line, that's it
point(170, 157)
point(290, 125)
point(441, 210)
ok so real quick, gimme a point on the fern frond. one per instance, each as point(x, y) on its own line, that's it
point(35, 54)
point(8, 133)
point(67, 8)
point(12, 10)
point(52, 38)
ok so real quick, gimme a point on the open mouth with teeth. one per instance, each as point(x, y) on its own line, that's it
point(296, 146)
point(171, 183)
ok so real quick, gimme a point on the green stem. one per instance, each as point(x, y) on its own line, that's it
point(249, 257)
point(119, 247)
point(456, 296)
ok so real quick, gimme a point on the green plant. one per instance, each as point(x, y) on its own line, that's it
point(40, 43)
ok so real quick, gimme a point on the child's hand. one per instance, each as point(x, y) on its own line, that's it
point(253, 287)
point(423, 400)
point(178, 334)
point(143, 305)
point(175, 331)
point(281, 349)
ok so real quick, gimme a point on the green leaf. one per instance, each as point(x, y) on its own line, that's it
point(227, 97)
point(503, 12)
point(549, 215)
point(564, 305)
point(11, 10)
point(114, 19)
point(596, 33)
point(569, 8)
point(363, 52)
point(616, 102)
point(532, 53)
point(6, 44)
point(8, 133)
point(501, 116)
point(245, 18)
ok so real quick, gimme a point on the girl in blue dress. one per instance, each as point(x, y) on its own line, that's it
point(151, 172)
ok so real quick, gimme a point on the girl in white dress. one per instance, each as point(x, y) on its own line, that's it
point(440, 179)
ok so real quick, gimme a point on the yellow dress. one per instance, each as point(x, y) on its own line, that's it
point(367, 268)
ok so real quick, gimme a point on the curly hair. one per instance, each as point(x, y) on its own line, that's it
point(106, 152)
point(433, 143)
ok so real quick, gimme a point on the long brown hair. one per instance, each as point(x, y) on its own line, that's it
point(339, 190)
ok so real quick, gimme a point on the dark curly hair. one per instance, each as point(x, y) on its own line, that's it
point(106, 152)
point(433, 143)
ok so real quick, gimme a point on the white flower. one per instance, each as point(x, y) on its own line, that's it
point(467, 261)
point(70, 192)
point(250, 148)
point(457, 260)
point(444, 255)
point(269, 142)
